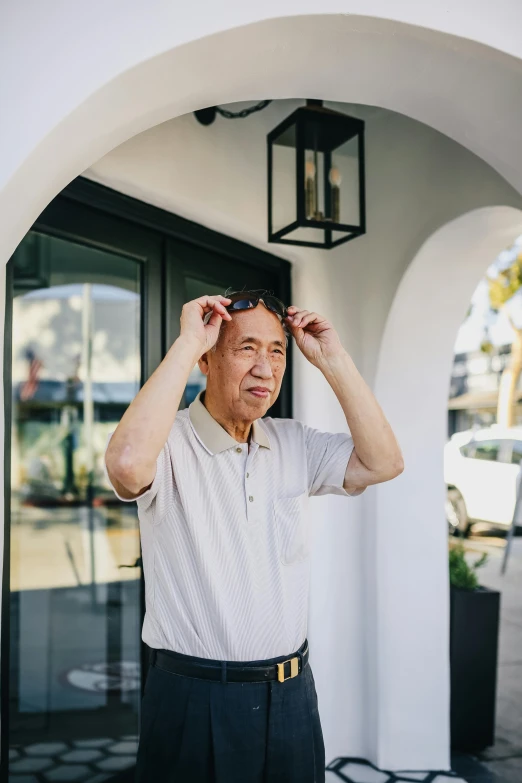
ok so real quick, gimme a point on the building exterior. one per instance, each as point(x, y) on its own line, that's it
point(106, 94)
point(474, 388)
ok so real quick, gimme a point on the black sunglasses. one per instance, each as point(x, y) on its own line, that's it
point(245, 300)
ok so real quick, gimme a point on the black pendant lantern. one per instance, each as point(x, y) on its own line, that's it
point(316, 178)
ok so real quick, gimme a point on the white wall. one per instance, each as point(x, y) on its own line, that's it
point(367, 552)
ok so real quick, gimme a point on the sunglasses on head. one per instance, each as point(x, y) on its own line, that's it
point(245, 300)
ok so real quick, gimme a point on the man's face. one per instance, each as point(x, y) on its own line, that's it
point(246, 369)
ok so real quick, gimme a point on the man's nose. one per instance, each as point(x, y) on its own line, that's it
point(262, 368)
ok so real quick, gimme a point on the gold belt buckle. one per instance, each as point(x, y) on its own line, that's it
point(294, 669)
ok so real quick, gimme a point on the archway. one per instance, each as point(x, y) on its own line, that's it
point(414, 368)
point(468, 90)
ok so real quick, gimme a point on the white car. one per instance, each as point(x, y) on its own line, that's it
point(482, 473)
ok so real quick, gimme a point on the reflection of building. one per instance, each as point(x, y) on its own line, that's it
point(64, 406)
point(474, 388)
point(53, 393)
point(55, 411)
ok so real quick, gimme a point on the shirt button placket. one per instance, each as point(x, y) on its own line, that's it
point(248, 490)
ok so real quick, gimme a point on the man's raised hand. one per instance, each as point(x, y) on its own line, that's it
point(193, 326)
point(314, 335)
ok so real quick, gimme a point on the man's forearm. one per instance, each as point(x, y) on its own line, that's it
point(143, 430)
point(373, 438)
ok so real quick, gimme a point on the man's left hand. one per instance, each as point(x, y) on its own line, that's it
point(315, 336)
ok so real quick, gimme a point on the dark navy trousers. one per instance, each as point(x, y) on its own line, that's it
point(202, 731)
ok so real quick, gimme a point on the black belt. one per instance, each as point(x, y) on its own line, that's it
point(231, 671)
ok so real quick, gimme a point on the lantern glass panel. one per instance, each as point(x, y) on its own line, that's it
point(284, 206)
point(343, 180)
point(314, 185)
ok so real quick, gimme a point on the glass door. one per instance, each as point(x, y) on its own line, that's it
point(93, 301)
point(78, 347)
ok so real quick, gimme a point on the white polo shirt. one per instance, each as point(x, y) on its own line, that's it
point(225, 535)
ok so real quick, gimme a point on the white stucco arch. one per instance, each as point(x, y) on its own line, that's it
point(423, 322)
point(117, 79)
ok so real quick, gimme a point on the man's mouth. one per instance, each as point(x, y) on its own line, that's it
point(259, 391)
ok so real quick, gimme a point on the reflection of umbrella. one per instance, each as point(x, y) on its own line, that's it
point(31, 384)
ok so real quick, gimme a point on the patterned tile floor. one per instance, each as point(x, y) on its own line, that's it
point(356, 770)
point(97, 760)
point(79, 761)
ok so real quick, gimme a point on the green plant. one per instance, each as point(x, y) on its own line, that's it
point(462, 573)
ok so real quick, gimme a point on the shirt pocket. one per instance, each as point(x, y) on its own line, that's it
point(291, 524)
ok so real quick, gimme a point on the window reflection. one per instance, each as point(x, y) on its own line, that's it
point(487, 450)
point(75, 575)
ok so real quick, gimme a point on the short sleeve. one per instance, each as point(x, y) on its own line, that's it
point(327, 456)
point(155, 499)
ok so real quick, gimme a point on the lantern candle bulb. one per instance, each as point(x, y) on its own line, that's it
point(335, 194)
point(310, 189)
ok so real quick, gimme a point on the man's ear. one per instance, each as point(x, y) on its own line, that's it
point(203, 363)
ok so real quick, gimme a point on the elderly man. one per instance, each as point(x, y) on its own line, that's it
point(222, 496)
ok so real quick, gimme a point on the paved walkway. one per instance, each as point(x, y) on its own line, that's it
point(354, 770)
point(95, 760)
point(501, 763)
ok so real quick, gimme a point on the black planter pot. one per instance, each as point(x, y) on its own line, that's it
point(474, 624)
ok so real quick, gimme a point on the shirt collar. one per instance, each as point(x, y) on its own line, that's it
point(213, 436)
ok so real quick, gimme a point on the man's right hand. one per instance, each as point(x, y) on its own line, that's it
point(131, 456)
point(193, 327)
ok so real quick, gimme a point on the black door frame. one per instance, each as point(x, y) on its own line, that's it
point(92, 214)
point(201, 243)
